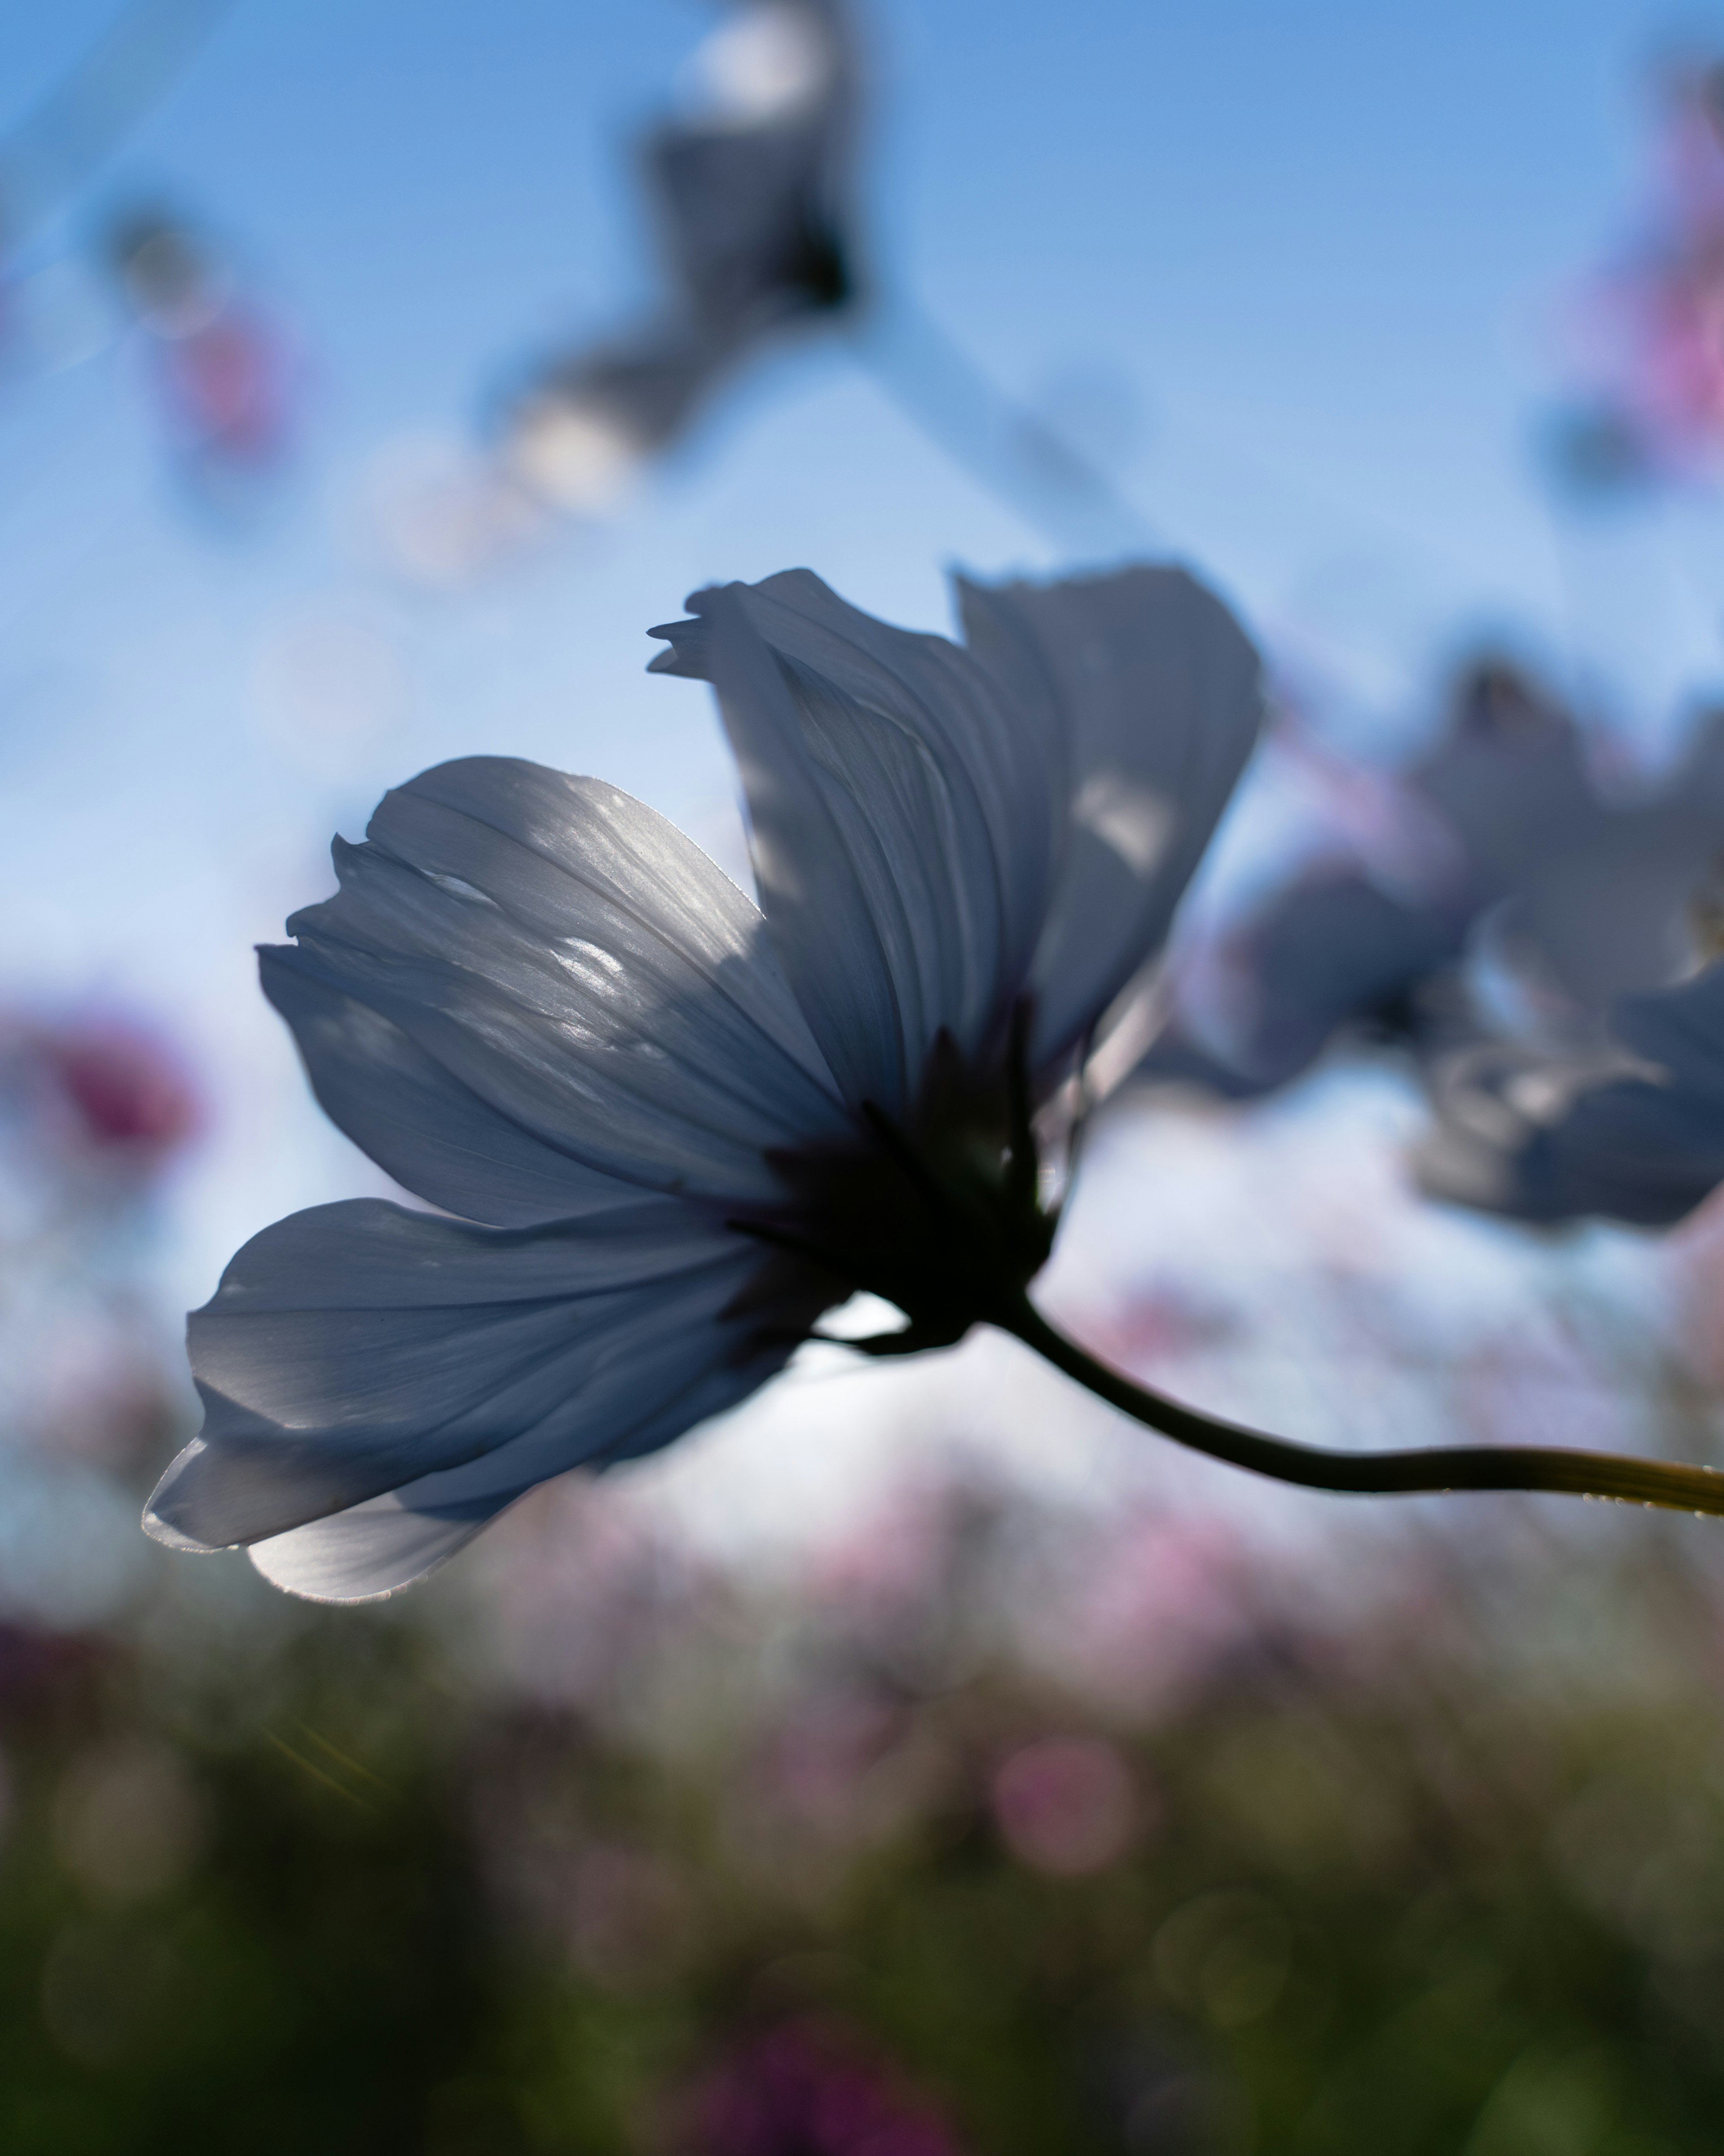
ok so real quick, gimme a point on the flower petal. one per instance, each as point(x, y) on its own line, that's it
point(902, 808)
point(1545, 1138)
point(571, 975)
point(435, 1136)
point(1158, 698)
point(1510, 775)
point(374, 1548)
point(357, 1348)
point(1607, 917)
point(752, 186)
point(1335, 951)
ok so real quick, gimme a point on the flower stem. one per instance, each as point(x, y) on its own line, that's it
point(1629, 1480)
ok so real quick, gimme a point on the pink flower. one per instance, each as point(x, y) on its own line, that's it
point(809, 2091)
point(1067, 1805)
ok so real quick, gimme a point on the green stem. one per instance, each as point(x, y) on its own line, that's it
point(1629, 1480)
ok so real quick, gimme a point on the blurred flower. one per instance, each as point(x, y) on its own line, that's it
point(106, 1088)
point(1634, 1133)
point(1652, 324)
point(1066, 1805)
point(811, 2090)
point(224, 375)
point(93, 1109)
point(689, 1127)
point(1526, 904)
point(750, 190)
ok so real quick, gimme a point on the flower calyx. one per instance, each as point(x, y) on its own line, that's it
point(941, 1215)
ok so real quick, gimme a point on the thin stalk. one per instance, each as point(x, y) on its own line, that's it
point(1628, 1480)
point(1010, 450)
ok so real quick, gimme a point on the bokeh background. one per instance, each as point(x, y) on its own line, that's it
point(919, 1761)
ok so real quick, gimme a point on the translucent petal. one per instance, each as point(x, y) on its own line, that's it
point(1158, 701)
point(387, 1542)
point(571, 974)
point(1547, 1138)
point(902, 806)
point(357, 1348)
point(1335, 951)
point(419, 1123)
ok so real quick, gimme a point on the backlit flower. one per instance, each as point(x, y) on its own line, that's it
point(674, 1128)
point(1528, 904)
point(1635, 1133)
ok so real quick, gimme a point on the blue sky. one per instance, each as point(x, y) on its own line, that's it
point(1317, 251)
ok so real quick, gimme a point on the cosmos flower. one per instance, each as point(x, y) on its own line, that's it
point(1520, 868)
point(675, 1128)
point(749, 188)
point(1634, 1133)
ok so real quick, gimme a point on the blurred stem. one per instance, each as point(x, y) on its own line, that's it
point(1010, 450)
point(1629, 1480)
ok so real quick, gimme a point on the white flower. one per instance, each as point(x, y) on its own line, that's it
point(686, 1126)
point(1635, 1133)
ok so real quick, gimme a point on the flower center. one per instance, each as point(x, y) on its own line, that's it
point(941, 1217)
